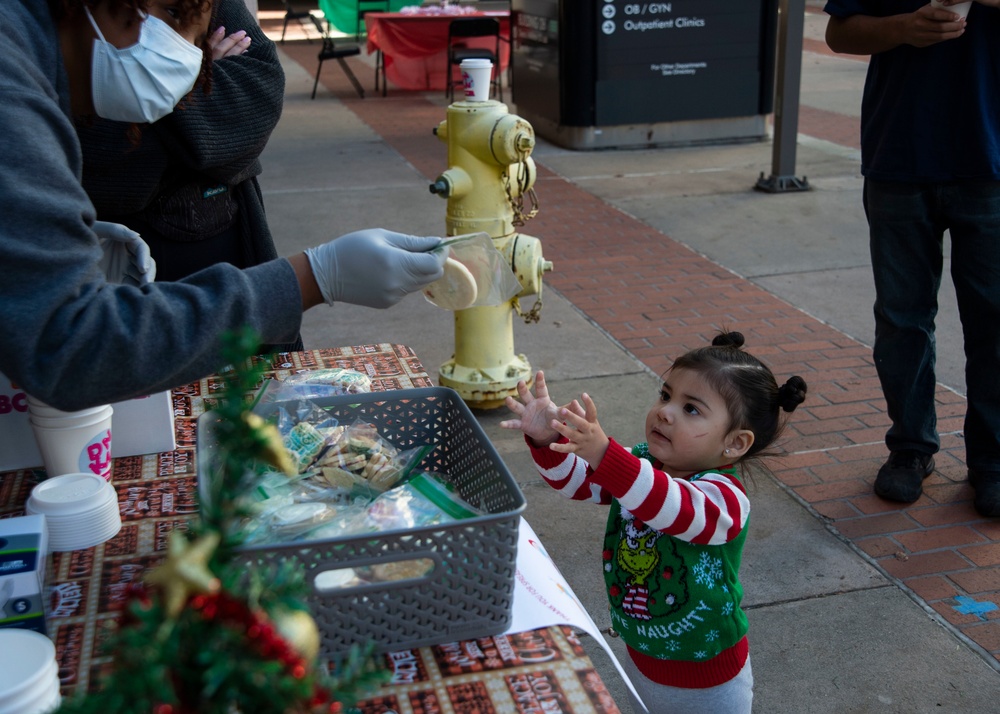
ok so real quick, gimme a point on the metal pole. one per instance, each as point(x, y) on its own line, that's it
point(791, 21)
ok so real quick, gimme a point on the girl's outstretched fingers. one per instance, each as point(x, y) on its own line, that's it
point(541, 389)
point(517, 409)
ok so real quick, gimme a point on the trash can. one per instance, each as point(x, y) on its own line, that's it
point(591, 74)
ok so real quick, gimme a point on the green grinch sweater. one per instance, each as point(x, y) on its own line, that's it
point(672, 553)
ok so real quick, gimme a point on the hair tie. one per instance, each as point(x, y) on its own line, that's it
point(792, 393)
point(728, 339)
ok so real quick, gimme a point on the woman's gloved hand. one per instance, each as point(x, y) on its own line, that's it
point(375, 267)
point(126, 257)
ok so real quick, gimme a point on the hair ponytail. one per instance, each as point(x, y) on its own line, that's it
point(792, 393)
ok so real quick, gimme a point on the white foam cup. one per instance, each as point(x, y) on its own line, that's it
point(961, 8)
point(29, 674)
point(476, 74)
point(71, 442)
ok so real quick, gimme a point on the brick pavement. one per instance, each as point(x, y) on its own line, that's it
point(657, 298)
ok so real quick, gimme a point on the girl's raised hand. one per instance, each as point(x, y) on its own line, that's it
point(535, 412)
point(586, 437)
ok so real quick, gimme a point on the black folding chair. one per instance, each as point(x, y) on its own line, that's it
point(462, 29)
point(332, 50)
point(292, 14)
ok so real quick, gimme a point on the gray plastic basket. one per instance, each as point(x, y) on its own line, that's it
point(469, 591)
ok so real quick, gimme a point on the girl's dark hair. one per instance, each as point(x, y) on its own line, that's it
point(752, 395)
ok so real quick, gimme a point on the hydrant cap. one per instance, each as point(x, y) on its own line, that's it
point(512, 139)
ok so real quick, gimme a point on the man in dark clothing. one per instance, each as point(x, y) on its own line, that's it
point(930, 153)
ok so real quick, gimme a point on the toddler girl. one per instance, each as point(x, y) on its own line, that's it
point(678, 517)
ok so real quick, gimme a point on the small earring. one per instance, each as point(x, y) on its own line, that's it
point(726, 451)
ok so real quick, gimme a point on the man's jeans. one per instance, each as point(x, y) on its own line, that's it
point(907, 222)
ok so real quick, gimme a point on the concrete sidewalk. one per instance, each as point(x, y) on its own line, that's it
point(854, 604)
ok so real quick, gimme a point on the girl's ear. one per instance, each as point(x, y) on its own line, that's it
point(738, 443)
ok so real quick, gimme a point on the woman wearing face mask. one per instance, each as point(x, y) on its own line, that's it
point(187, 182)
point(72, 339)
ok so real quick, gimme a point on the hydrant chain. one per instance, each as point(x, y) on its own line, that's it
point(531, 316)
point(524, 188)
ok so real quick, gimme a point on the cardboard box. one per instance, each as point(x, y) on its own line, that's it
point(23, 551)
point(138, 426)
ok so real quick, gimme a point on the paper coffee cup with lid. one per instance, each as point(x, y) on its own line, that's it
point(961, 8)
point(476, 74)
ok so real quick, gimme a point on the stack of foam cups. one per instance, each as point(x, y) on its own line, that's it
point(81, 510)
point(71, 442)
point(29, 675)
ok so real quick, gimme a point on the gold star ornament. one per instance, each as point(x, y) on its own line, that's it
point(185, 571)
point(272, 448)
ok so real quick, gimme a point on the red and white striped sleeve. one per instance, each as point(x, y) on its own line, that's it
point(709, 511)
point(567, 474)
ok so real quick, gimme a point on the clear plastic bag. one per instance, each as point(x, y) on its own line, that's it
point(364, 463)
point(306, 431)
point(314, 385)
point(480, 265)
point(427, 499)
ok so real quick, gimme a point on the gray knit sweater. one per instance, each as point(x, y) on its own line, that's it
point(68, 337)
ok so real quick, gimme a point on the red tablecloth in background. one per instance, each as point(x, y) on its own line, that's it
point(415, 46)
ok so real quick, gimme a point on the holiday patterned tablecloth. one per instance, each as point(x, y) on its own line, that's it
point(544, 670)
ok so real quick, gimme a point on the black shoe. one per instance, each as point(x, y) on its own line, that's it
point(900, 477)
point(987, 487)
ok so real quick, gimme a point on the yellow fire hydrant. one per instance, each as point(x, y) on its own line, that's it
point(490, 175)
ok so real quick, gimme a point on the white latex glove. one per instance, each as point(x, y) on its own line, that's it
point(375, 267)
point(126, 257)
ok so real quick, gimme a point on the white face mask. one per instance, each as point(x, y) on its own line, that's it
point(144, 82)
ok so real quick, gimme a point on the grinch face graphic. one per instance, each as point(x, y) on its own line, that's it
point(637, 554)
point(643, 571)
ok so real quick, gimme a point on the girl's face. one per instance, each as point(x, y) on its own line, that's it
point(687, 429)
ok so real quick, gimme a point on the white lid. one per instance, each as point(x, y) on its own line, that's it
point(26, 657)
point(68, 494)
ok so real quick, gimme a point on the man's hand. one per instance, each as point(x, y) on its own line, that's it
point(375, 267)
point(930, 25)
point(870, 35)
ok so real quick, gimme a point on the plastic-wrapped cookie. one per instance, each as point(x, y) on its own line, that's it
point(304, 442)
point(339, 478)
point(455, 290)
point(298, 517)
point(403, 569)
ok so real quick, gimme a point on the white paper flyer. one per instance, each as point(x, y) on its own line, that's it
point(543, 598)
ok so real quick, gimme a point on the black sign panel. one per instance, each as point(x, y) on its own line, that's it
point(614, 62)
point(678, 60)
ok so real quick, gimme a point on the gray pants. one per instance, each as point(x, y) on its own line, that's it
point(732, 697)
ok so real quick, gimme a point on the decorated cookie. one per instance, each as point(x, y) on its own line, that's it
point(455, 290)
